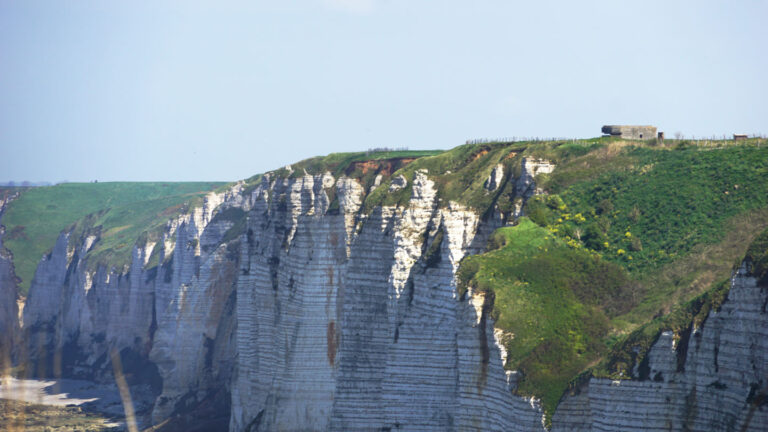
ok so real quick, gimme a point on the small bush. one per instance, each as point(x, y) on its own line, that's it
point(594, 237)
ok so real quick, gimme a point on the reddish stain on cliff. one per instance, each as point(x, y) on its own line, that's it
point(479, 154)
point(379, 166)
point(333, 341)
point(334, 239)
point(329, 290)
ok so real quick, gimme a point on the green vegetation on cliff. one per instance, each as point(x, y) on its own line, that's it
point(656, 228)
point(122, 210)
point(633, 349)
point(552, 299)
point(459, 175)
point(343, 163)
point(652, 210)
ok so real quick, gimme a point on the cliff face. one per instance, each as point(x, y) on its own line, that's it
point(352, 322)
point(712, 378)
point(329, 318)
point(286, 306)
point(171, 323)
point(9, 323)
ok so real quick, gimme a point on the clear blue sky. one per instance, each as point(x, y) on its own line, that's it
point(189, 90)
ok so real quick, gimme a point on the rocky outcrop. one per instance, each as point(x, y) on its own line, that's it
point(525, 185)
point(495, 178)
point(714, 377)
point(9, 323)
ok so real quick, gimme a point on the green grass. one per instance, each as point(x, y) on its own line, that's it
point(657, 228)
point(661, 214)
point(343, 163)
point(670, 201)
point(633, 349)
point(346, 164)
point(338, 163)
point(678, 282)
point(125, 210)
point(555, 298)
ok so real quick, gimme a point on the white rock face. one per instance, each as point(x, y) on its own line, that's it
point(525, 185)
point(494, 180)
point(398, 183)
point(349, 326)
point(715, 379)
point(171, 324)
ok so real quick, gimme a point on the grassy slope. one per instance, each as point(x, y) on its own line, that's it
point(35, 219)
point(660, 222)
point(337, 163)
point(632, 349)
point(661, 214)
point(549, 295)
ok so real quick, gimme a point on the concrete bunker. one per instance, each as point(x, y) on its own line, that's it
point(630, 132)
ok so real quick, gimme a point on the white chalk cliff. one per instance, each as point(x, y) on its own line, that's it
point(285, 306)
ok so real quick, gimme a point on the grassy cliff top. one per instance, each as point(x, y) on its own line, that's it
point(34, 220)
point(344, 163)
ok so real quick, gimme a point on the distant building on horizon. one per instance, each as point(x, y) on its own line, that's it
point(630, 132)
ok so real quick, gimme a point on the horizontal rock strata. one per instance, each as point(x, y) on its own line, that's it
point(351, 322)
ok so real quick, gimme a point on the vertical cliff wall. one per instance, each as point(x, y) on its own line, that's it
point(713, 378)
point(350, 321)
point(171, 323)
point(314, 314)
